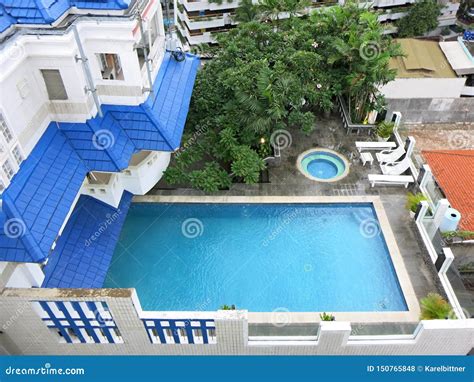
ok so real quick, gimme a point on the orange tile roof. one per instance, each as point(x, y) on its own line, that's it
point(454, 172)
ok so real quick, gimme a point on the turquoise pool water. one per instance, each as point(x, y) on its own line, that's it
point(323, 165)
point(260, 257)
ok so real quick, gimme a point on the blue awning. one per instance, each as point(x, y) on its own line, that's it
point(42, 193)
point(83, 253)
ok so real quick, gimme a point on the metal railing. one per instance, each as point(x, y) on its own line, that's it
point(347, 122)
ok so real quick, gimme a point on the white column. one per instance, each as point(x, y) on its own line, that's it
point(441, 209)
point(449, 257)
point(333, 336)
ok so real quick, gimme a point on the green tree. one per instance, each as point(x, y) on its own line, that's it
point(264, 79)
point(274, 9)
point(421, 18)
point(246, 11)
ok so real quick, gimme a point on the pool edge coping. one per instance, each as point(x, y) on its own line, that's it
point(322, 149)
point(408, 292)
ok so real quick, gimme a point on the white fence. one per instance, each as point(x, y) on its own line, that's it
point(110, 321)
point(427, 220)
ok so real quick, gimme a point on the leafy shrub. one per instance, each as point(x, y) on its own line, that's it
point(434, 307)
point(327, 317)
point(385, 129)
point(413, 200)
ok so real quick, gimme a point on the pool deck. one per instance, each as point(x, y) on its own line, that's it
point(286, 180)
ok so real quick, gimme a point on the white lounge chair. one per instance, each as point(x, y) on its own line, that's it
point(388, 156)
point(404, 180)
point(360, 145)
point(396, 168)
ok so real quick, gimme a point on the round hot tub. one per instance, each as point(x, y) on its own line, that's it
point(323, 165)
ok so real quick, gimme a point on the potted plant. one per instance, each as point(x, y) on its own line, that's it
point(434, 307)
point(327, 317)
point(384, 130)
point(412, 202)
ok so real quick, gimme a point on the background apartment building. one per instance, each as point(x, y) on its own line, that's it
point(198, 21)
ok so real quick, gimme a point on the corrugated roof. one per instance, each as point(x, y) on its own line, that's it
point(458, 57)
point(454, 172)
point(423, 59)
point(42, 192)
point(48, 11)
point(83, 253)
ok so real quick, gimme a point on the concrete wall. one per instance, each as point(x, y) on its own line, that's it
point(424, 88)
point(25, 333)
point(434, 110)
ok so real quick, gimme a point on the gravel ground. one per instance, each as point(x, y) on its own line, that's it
point(442, 136)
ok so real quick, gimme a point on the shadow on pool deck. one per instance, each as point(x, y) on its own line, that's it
point(285, 179)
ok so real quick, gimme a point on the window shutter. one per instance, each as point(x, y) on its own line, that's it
point(54, 84)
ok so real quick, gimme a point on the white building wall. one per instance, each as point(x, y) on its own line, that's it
point(424, 88)
point(20, 275)
point(141, 178)
point(24, 102)
point(25, 333)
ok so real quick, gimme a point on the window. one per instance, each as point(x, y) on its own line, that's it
point(141, 57)
point(2, 186)
point(54, 84)
point(5, 130)
point(154, 29)
point(7, 169)
point(110, 66)
point(17, 155)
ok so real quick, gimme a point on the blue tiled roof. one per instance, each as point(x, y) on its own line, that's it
point(40, 197)
point(84, 250)
point(171, 111)
point(42, 192)
point(48, 11)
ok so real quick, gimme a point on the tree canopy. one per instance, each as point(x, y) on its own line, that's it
point(264, 79)
point(421, 18)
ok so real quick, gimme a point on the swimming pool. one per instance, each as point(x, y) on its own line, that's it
point(260, 257)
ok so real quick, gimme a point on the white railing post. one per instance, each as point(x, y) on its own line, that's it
point(449, 257)
point(232, 331)
point(427, 175)
point(421, 213)
point(333, 335)
point(439, 213)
